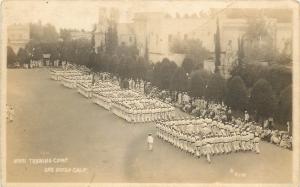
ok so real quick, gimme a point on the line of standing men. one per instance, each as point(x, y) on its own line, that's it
point(10, 112)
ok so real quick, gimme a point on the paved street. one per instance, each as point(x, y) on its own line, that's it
point(56, 122)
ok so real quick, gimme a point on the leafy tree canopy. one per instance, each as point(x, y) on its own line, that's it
point(262, 98)
point(236, 93)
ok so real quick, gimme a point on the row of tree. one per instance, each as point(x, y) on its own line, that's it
point(262, 94)
point(44, 39)
point(267, 94)
point(264, 91)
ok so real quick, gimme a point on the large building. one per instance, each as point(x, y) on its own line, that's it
point(126, 34)
point(156, 31)
point(106, 16)
point(18, 36)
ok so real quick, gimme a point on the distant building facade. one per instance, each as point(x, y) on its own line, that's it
point(18, 36)
point(126, 34)
point(106, 16)
point(158, 31)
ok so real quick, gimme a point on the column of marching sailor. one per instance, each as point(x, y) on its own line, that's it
point(143, 110)
point(130, 105)
point(205, 137)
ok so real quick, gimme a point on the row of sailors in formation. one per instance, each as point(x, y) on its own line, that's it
point(98, 90)
point(202, 123)
point(67, 74)
point(70, 66)
point(197, 125)
point(105, 84)
point(119, 95)
point(135, 114)
point(78, 77)
point(210, 144)
point(85, 84)
point(108, 99)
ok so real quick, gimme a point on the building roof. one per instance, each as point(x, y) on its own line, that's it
point(281, 15)
point(148, 15)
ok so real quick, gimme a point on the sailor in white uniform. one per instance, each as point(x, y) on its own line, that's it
point(150, 142)
point(256, 143)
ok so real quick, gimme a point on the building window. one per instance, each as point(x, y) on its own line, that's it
point(185, 37)
point(170, 38)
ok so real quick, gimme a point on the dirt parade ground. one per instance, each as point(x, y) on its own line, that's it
point(60, 136)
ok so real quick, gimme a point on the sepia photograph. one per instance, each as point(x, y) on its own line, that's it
point(127, 92)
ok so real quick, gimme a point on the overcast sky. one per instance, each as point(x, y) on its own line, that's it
point(83, 14)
